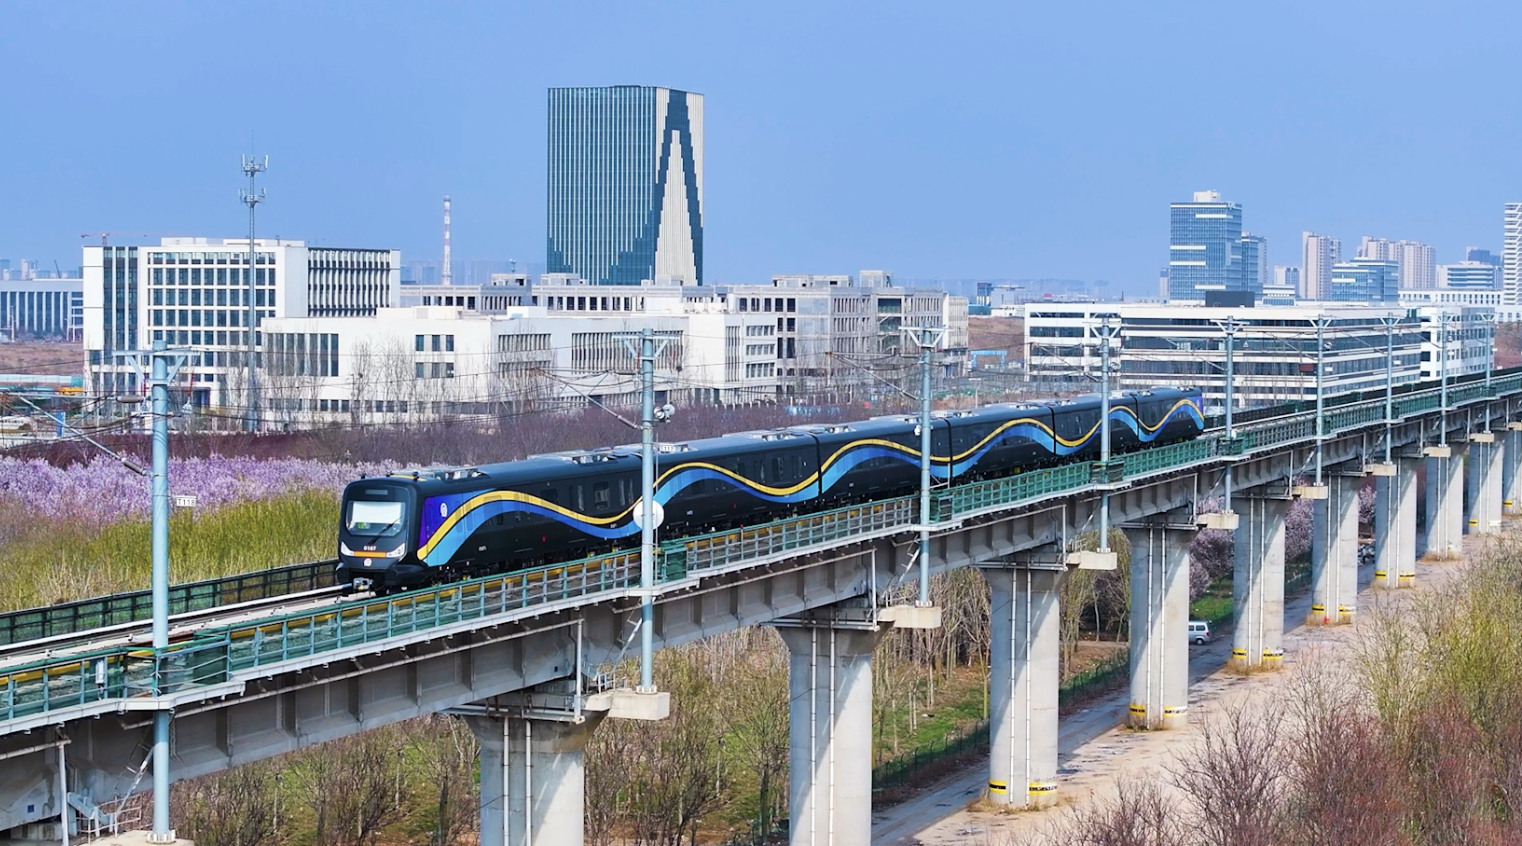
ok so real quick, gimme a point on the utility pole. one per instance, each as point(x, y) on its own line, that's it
point(650, 513)
point(1442, 351)
point(253, 167)
point(162, 365)
point(1389, 383)
point(929, 339)
point(1107, 334)
point(1321, 323)
point(1231, 326)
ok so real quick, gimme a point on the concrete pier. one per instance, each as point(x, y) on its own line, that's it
point(1334, 551)
point(830, 737)
point(1159, 623)
point(1482, 478)
point(533, 783)
point(1445, 500)
point(1257, 583)
point(1511, 464)
point(1395, 526)
point(1023, 680)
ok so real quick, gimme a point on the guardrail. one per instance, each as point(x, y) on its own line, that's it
point(68, 618)
point(217, 654)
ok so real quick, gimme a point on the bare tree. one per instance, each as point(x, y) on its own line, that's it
point(1235, 776)
point(234, 808)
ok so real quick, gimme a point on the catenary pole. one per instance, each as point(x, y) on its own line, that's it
point(647, 510)
point(927, 343)
point(160, 473)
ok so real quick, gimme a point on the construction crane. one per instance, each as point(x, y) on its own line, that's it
point(103, 236)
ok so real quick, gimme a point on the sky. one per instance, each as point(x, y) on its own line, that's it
point(943, 140)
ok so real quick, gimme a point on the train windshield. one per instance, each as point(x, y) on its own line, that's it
point(376, 519)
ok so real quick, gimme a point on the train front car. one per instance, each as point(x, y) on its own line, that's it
point(378, 521)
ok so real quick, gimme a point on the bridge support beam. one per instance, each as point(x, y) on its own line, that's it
point(1445, 500)
point(1482, 470)
point(1334, 552)
point(830, 732)
point(1511, 470)
point(1257, 581)
point(1023, 679)
point(533, 783)
point(1159, 623)
point(1395, 525)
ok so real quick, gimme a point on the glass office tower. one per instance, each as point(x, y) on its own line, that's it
point(625, 184)
point(1205, 251)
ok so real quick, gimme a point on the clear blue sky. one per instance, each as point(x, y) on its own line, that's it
point(934, 139)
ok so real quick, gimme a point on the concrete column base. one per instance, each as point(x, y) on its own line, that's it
point(1159, 624)
point(1395, 526)
point(1334, 553)
point(533, 784)
point(1445, 501)
point(1023, 681)
point(830, 733)
point(1257, 583)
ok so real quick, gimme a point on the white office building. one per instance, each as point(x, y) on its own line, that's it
point(195, 293)
point(1469, 276)
point(41, 308)
point(1276, 349)
point(432, 362)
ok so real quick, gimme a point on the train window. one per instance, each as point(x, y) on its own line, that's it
point(550, 495)
point(776, 468)
point(760, 470)
point(797, 470)
point(600, 497)
point(576, 501)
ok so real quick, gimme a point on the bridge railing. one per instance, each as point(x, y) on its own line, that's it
point(68, 618)
point(49, 684)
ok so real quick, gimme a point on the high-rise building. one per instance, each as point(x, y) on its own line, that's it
point(1418, 261)
point(1287, 276)
point(1364, 280)
point(1468, 276)
point(1482, 256)
point(1319, 253)
point(625, 184)
point(1255, 267)
point(1511, 256)
point(1205, 250)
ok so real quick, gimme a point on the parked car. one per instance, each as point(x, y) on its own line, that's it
point(1199, 632)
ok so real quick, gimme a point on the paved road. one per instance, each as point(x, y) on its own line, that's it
point(898, 825)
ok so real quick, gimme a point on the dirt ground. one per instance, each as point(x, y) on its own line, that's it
point(42, 358)
point(1096, 750)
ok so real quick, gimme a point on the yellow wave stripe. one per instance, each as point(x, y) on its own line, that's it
point(529, 499)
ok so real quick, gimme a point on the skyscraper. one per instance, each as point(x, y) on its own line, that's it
point(1257, 272)
point(1482, 256)
point(1418, 265)
point(1417, 261)
point(1205, 250)
point(625, 184)
point(1511, 256)
point(1364, 280)
point(1319, 253)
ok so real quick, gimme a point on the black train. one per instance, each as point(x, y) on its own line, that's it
point(418, 527)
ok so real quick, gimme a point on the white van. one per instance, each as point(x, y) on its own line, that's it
point(1199, 632)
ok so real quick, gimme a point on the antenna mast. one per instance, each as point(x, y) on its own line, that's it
point(446, 276)
point(253, 167)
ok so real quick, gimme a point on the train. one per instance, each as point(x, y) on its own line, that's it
point(422, 527)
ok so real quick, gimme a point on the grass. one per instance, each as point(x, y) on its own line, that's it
point(57, 561)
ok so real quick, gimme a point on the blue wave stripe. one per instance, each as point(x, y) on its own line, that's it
point(845, 463)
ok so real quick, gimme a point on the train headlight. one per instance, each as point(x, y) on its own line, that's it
point(398, 552)
point(343, 549)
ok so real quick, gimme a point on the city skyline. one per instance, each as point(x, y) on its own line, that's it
point(837, 165)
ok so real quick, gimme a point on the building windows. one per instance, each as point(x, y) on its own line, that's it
point(417, 344)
